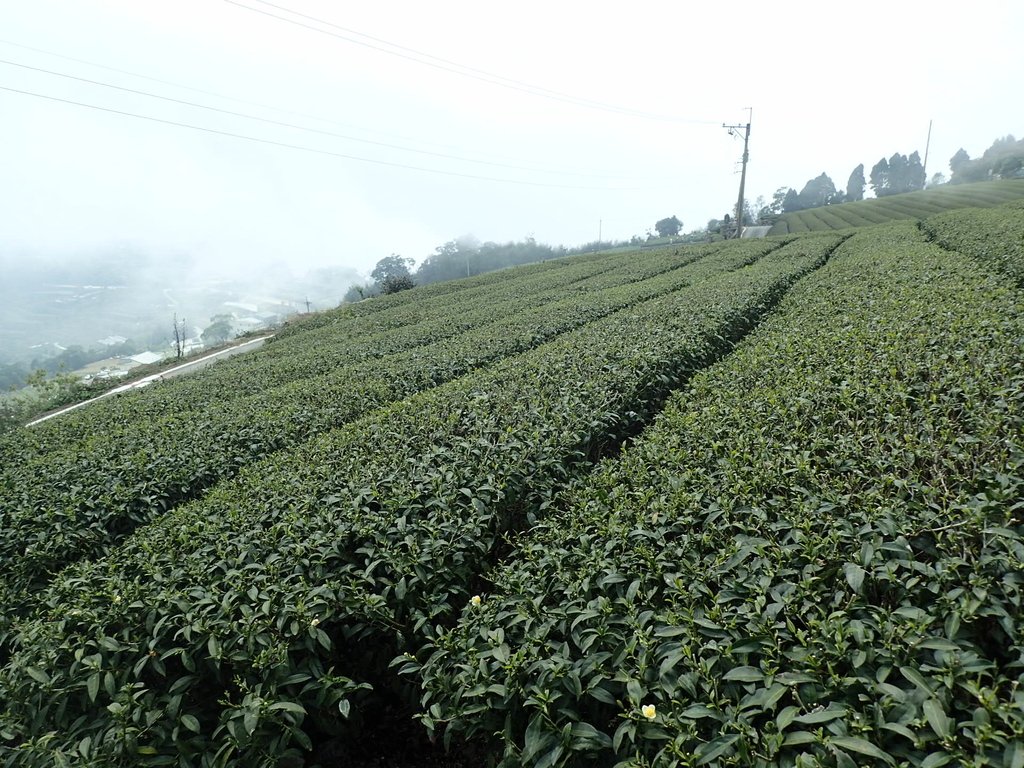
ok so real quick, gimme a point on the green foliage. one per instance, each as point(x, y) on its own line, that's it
point(993, 236)
point(880, 177)
point(897, 175)
point(73, 494)
point(959, 161)
point(237, 625)
point(813, 558)
point(397, 283)
point(791, 201)
point(358, 292)
point(1003, 160)
point(219, 330)
point(915, 205)
point(778, 200)
point(392, 274)
point(855, 185)
point(40, 394)
point(465, 257)
point(817, 192)
point(668, 227)
point(915, 175)
point(14, 411)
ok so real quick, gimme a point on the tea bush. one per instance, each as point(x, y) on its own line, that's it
point(73, 489)
point(229, 630)
point(814, 558)
point(994, 236)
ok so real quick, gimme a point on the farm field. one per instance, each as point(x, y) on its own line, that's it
point(813, 558)
point(913, 205)
point(77, 485)
point(994, 236)
point(752, 503)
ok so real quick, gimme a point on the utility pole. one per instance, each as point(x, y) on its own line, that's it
point(746, 156)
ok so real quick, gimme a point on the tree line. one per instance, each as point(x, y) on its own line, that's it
point(1003, 160)
point(892, 175)
point(465, 257)
point(899, 174)
point(889, 176)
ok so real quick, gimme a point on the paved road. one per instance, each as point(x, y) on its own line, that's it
point(179, 370)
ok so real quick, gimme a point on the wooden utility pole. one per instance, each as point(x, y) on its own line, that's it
point(743, 174)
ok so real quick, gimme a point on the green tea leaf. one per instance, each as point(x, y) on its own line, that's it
point(937, 719)
point(744, 674)
point(821, 716)
point(854, 576)
point(863, 746)
point(715, 748)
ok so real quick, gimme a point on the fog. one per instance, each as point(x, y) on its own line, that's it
point(413, 124)
point(61, 310)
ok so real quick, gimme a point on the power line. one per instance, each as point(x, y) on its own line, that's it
point(454, 67)
point(563, 171)
point(311, 150)
point(540, 90)
point(168, 82)
point(293, 125)
point(305, 115)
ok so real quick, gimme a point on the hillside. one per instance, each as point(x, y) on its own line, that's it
point(736, 504)
point(912, 205)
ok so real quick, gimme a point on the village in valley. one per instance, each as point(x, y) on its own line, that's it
point(99, 322)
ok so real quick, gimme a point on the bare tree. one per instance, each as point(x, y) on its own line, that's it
point(179, 336)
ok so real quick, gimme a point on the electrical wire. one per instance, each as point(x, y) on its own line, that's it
point(313, 150)
point(306, 115)
point(295, 126)
point(455, 68)
point(488, 75)
point(509, 164)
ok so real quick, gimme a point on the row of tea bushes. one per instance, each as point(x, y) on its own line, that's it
point(343, 337)
point(910, 205)
point(230, 630)
point(994, 236)
point(64, 504)
point(815, 557)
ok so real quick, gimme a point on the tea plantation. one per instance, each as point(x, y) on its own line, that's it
point(911, 205)
point(754, 503)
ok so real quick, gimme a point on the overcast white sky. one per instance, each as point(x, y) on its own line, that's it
point(831, 85)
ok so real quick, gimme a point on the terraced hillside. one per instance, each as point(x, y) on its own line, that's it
point(912, 205)
point(76, 486)
point(755, 503)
